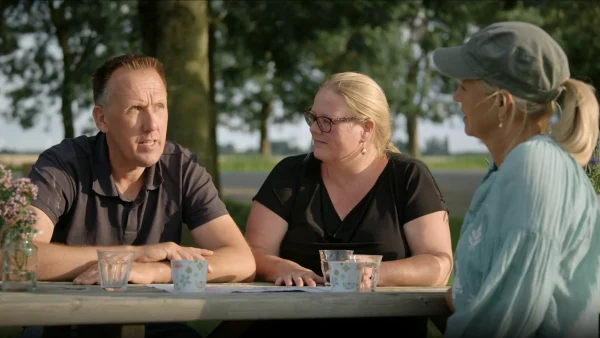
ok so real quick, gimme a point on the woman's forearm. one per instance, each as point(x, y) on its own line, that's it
point(269, 267)
point(420, 270)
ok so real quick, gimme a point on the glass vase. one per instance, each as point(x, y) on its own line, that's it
point(19, 264)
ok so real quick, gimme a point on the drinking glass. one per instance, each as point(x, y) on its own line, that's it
point(114, 267)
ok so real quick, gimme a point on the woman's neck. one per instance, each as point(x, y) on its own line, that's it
point(350, 170)
point(501, 144)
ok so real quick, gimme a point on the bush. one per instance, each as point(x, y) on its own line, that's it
point(592, 169)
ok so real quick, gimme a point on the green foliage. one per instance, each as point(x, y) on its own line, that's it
point(261, 53)
point(592, 169)
point(49, 49)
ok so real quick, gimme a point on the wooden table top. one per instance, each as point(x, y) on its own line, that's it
point(67, 304)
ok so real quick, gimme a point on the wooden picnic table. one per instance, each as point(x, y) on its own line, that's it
point(59, 303)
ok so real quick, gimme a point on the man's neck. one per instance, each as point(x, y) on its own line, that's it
point(129, 179)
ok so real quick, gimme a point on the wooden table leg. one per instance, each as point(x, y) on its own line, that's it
point(230, 328)
point(96, 331)
point(439, 322)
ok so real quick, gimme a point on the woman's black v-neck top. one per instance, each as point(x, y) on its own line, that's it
point(294, 190)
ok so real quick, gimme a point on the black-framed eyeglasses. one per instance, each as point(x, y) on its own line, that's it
point(324, 122)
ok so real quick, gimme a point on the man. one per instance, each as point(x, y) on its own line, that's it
point(129, 188)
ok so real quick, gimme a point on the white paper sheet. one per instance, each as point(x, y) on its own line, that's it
point(246, 288)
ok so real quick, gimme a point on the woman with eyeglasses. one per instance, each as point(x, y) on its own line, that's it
point(355, 191)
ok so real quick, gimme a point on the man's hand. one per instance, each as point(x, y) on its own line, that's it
point(168, 251)
point(141, 273)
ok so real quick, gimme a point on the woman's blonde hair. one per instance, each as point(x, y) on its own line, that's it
point(366, 100)
point(577, 128)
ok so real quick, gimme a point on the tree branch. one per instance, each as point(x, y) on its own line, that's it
point(89, 46)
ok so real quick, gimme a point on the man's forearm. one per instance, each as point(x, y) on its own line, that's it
point(231, 265)
point(58, 262)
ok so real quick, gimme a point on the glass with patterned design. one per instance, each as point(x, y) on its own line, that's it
point(332, 255)
point(189, 276)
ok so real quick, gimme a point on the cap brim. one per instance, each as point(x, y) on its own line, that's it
point(450, 62)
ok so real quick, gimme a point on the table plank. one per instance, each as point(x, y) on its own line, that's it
point(64, 304)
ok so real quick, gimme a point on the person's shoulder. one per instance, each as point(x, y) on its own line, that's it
point(71, 149)
point(175, 154)
point(403, 163)
point(295, 161)
point(539, 153)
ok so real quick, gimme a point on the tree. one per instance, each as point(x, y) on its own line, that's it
point(571, 23)
point(260, 61)
point(49, 49)
point(178, 33)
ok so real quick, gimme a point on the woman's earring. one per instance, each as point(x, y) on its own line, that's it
point(363, 150)
point(500, 125)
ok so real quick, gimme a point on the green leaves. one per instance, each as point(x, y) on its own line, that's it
point(48, 51)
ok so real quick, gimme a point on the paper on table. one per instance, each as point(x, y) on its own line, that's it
point(234, 288)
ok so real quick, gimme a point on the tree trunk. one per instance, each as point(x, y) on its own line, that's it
point(212, 94)
point(182, 44)
point(66, 103)
point(57, 17)
point(412, 130)
point(412, 116)
point(148, 26)
point(265, 113)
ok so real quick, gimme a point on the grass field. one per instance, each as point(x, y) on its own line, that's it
point(228, 163)
point(239, 162)
point(239, 212)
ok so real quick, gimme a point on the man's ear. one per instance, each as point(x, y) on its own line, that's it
point(99, 118)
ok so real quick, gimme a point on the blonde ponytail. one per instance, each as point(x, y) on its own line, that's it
point(577, 129)
point(391, 148)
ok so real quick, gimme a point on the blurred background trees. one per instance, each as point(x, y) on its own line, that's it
point(250, 65)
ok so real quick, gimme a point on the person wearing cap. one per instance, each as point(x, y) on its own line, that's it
point(528, 259)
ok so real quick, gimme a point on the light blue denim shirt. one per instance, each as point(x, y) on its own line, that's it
point(528, 258)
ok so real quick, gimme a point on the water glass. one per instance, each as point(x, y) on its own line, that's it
point(330, 256)
point(115, 268)
point(370, 265)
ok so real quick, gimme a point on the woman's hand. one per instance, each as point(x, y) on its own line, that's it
point(300, 278)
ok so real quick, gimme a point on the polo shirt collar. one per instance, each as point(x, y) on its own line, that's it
point(103, 183)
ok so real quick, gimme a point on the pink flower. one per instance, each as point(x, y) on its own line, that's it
point(16, 213)
point(5, 178)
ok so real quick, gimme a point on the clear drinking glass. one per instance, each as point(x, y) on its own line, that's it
point(114, 268)
point(370, 271)
point(332, 255)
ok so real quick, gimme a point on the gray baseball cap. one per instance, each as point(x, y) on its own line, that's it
point(516, 56)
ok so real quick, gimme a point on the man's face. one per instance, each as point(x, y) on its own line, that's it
point(134, 117)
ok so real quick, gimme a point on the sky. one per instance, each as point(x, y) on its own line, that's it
point(49, 132)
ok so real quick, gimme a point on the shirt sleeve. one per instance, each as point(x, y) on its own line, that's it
point(523, 258)
point(201, 201)
point(56, 185)
point(515, 293)
point(422, 193)
point(278, 190)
